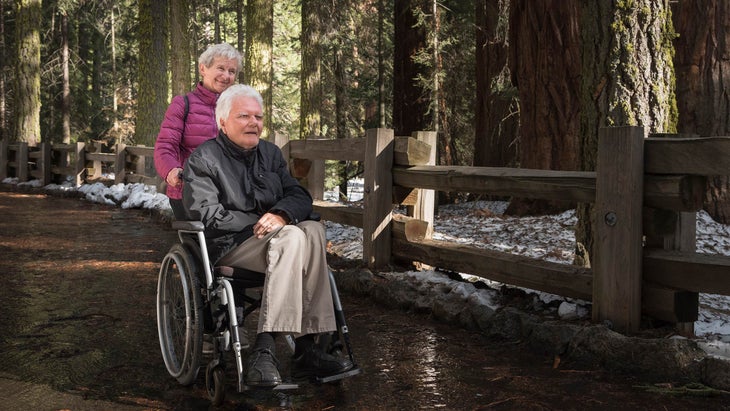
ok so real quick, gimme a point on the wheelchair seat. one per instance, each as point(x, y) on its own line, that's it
point(197, 299)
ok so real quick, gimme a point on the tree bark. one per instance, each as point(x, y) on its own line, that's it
point(259, 52)
point(410, 100)
point(626, 80)
point(180, 59)
point(66, 86)
point(702, 65)
point(152, 96)
point(545, 66)
point(3, 98)
point(311, 76)
point(28, 71)
point(496, 101)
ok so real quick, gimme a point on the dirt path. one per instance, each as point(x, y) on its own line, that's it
point(78, 331)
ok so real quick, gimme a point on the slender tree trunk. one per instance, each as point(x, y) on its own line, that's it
point(545, 65)
point(115, 103)
point(152, 96)
point(3, 103)
point(626, 80)
point(180, 61)
point(28, 71)
point(66, 87)
point(702, 62)
point(381, 64)
point(311, 76)
point(495, 141)
point(259, 52)
point(217, 21)
point(241, 36)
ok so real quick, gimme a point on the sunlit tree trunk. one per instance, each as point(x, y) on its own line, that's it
point(259, 52)
point(115, 101)
point(702, 60)
point(545, 64)
point(152, 95)
point(311, 76)
point(180, 46)
point(66, 86)
point(28, 71)
point(627, 80)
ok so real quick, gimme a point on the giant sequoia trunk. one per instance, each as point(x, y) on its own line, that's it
point(545, 64)
point(28, 71)
point(496, 108)
point(702, 61)
point(626, 81)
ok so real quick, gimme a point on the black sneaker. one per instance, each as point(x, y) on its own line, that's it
point(262, 369)
point(316, 363)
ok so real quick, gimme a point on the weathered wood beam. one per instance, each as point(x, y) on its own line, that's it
point(410, 151)
point(688, 271)
point(351, 216)
point(679, 155)
point(561, 279)
point(525, 183)
point(327, 149)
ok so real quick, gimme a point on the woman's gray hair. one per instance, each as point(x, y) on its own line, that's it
point(224, 50)
point(225, 100)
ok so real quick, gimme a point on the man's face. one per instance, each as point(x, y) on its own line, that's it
point(244, 123)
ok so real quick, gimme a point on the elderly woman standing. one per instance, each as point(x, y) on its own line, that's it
point(190, 119)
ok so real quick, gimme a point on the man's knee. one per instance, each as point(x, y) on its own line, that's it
point(314, 230)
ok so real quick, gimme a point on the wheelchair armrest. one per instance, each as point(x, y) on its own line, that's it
point(188, 225)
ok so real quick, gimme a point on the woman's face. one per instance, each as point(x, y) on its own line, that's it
point(219, 75)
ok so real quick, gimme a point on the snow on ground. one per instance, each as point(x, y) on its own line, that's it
point(479, 224)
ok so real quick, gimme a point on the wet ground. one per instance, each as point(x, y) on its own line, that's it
point(78, 331)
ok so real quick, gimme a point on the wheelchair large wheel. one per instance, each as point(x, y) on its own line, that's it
point(180, 315)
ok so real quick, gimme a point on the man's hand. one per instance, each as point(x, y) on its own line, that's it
point(267, 223)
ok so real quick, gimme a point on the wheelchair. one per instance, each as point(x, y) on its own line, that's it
point(198, 302)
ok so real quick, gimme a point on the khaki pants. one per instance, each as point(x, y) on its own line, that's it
point(296, 297)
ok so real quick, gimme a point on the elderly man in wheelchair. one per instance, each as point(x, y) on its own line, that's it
point(251, 226)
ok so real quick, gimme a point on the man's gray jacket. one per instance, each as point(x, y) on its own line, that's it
point(229, 189)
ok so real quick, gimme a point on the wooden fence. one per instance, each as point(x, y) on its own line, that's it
point(644, 196)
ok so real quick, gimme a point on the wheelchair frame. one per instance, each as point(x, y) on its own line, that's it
point(210, 308)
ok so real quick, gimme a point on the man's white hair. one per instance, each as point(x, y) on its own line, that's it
point(225, 101)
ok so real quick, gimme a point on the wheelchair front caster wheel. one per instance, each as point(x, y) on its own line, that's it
point(215, 384)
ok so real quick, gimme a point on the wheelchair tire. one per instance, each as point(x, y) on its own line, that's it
point(215, 384)
point(180, 315)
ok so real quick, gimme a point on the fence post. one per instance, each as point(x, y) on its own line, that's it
point(3, 159)
point(618, 228)
point(378, 197)
point(80, 164)
point(425, 204)
point(21, 159)
point(44, 163)
point(120, 163)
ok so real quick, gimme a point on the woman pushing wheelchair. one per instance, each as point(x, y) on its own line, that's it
point(256, 217)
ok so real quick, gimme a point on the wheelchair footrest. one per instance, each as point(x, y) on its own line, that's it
point(284, 386)
point(347, 374)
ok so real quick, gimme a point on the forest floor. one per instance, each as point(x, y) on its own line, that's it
point(78, 331)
